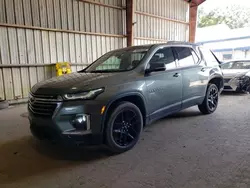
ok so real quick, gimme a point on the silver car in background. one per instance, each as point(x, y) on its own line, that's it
point(236, 75)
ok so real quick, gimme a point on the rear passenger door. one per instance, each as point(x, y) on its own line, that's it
point(193, 78)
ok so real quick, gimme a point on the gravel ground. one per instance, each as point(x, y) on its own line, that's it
point(185, 150)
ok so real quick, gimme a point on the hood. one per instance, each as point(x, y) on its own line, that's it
point(72, 83)
point(234, 72)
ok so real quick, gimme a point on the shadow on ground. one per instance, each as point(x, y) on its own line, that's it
point(231, 93)
point(26, 157)
point(24, 115)
point(185, 114)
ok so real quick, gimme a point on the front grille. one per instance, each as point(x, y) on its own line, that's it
point(49, 97)
point(45, 106)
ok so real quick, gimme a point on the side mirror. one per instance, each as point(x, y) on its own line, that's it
point(156, 67)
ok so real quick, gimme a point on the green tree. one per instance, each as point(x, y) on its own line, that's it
point(235, 16)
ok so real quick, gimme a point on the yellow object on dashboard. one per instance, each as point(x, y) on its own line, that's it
point(63, 68)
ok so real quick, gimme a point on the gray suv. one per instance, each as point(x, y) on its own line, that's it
point(111, 100)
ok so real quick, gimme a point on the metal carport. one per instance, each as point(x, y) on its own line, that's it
point(34, 35)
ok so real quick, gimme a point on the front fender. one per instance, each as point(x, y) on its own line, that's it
point(118, 97)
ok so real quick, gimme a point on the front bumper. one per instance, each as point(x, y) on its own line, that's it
point(237, 84)
point(58, 128)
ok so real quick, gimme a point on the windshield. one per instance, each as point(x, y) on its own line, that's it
point(119, 60)
point(236, 65)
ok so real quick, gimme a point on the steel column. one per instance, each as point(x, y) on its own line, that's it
point(129, 22)
point(192, 22)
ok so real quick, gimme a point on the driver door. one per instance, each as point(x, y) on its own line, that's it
point(164, 88)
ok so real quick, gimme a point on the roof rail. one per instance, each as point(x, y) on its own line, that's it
point(181, 42)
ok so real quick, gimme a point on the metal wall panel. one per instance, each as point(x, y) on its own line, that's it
point(144, 41)
point(43, 13)
point(50, 13)
point(9, 5)
point(57, 14)
point(31, 56)
point(2, 13)
point(22, 49)
point(66, 47)
point(5, 57)
point(39, 55)
point(35, 13)
point(2, 95)
point(63, 10)
point(50, 31)
point(26, 46)
point(27, 12)
point(64, 14)
point(59, 47)
point(14, 60)
point(76, 15)
point(19, 11)
point(161, 19)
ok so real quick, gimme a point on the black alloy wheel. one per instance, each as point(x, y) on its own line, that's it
point(124, 127)
point(213, 97)
point(210, 102)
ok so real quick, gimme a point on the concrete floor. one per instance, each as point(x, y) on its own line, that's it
point(186, 150)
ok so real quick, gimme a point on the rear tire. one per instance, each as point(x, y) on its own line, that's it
point(123, 127)
point(210, 102)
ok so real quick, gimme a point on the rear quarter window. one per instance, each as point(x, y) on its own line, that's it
point(185, 56)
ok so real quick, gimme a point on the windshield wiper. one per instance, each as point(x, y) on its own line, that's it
point(81, 71)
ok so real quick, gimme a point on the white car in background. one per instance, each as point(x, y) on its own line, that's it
point(236, 75)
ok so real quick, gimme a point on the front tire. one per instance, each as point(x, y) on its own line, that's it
point(123, 127)
point(210, 102)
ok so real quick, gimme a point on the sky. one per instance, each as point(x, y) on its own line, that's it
point(211, 4)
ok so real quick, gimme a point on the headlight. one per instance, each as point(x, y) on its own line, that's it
point(84, 95)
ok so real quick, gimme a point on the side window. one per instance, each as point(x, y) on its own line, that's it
point(209, 57)
point(185, 56)
point(166, 56)
point(227, 65)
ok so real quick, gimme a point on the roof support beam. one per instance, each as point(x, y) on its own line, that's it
point(193, 10)
point(192, 22)
point(129, 22)
point(195, 2)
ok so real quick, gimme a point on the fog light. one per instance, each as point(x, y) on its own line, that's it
point(81, 122)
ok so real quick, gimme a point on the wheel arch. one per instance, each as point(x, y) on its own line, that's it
point(134, 97)
point(218, 81)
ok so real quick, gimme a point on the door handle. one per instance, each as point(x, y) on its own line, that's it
point(203, 69)
point(176, 75)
